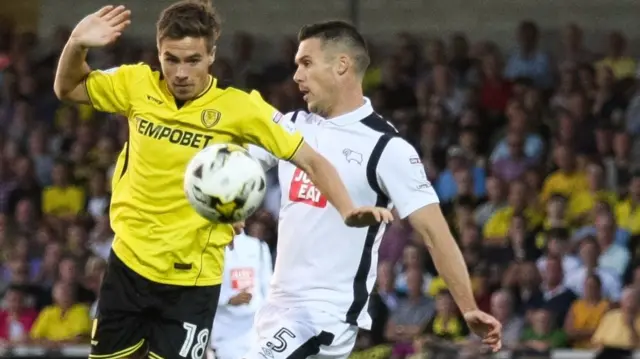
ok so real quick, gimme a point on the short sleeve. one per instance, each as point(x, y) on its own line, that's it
point(402, 177)
point(109, 90)
point(270, 130)
point(266, 158)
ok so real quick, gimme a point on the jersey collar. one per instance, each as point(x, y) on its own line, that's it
point(354, 116)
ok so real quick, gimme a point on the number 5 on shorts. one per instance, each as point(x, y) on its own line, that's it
point(281, 340)
point(197, 350)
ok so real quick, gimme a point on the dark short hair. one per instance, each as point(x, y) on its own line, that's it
point(189, 18)
point(339, 32)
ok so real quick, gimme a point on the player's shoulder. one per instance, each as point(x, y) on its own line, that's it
point(129, 69)
point(378, 126)
point(301, 117)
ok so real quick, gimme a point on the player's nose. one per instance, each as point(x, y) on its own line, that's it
point(182, 74)
point(297, 76)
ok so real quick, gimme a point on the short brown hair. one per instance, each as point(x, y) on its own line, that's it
point(189, 18)
point(342, 32)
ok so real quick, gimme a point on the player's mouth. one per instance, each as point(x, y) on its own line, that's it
point(181, 86)
point(305, 94)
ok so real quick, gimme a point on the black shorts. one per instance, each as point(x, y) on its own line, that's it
point(136, 314)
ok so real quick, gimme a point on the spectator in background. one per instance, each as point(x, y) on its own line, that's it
point(408, 319)
point(445, 93)
point(69, 275)
point(98, 198)
point(463, 67)
point(48, 271)
point(497, 228)
point(609, 280)
point(64, 322)
point(62, 199)
point(495, 201)
point(567, 180)
point(626, 215)
point(574, 52)
point(27, 188)
point(613, 256)
point(495, 90)
point(622, 65)
point(618, 333)
point(557, 298)
point(585, 313)
point(518, 123)
point(584, 124)
point(528, 60)
point(412, 260)
point(513, 166)
point(503, 308)
point(520, 245)
point(610, 102)
point(42, 159)
point(445, 328)
point(94, 272)
point(101, 237)
point(558, 247)
point(16, 318)
point(582, 203)
point(457, 160)
point(395, 90)
point(524, 283)
point(382, 302)
point(543, 335)
point(568, 84)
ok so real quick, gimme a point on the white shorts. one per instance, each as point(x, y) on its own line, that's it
point(298, 333)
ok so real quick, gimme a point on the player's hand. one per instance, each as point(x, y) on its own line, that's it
point(102, 27)
point(486, 327)
point(241, 298)
point(367, 216)
point(238, 227)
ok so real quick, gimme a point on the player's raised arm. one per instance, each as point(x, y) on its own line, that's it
point(402, 177)
point(95, 30)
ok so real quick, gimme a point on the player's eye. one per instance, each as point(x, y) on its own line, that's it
point(194, 61)
point(171, 60)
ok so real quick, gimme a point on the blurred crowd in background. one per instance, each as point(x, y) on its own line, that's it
point(533, 154)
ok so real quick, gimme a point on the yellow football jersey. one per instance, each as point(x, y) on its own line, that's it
point(158, 234)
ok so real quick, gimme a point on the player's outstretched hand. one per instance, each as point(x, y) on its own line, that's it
point(368, 216)
point(102, 27)
point(486, 327)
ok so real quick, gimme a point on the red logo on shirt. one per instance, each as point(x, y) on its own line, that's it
point(303, 190)
point(242, 279)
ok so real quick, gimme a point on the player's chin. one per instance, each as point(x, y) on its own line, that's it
point(183, 93)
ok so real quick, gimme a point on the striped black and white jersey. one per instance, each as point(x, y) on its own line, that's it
point(321, 263)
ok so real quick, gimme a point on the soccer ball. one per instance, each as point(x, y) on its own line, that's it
point(224, 184)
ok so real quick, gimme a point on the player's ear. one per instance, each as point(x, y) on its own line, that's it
point(212, 55)
point(342, 65)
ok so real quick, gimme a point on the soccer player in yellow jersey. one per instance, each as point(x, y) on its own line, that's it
point(163, 282)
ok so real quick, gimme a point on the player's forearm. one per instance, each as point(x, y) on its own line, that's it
point(326, 178)
point(322, 173)
point(447, 257)
point(72, 69)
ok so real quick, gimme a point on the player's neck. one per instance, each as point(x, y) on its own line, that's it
point(349, 101)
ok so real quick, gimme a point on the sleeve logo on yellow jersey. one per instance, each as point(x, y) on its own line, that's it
point(210, 118)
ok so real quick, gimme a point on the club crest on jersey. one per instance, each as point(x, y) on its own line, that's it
point(210, 118)
point(304, 191)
